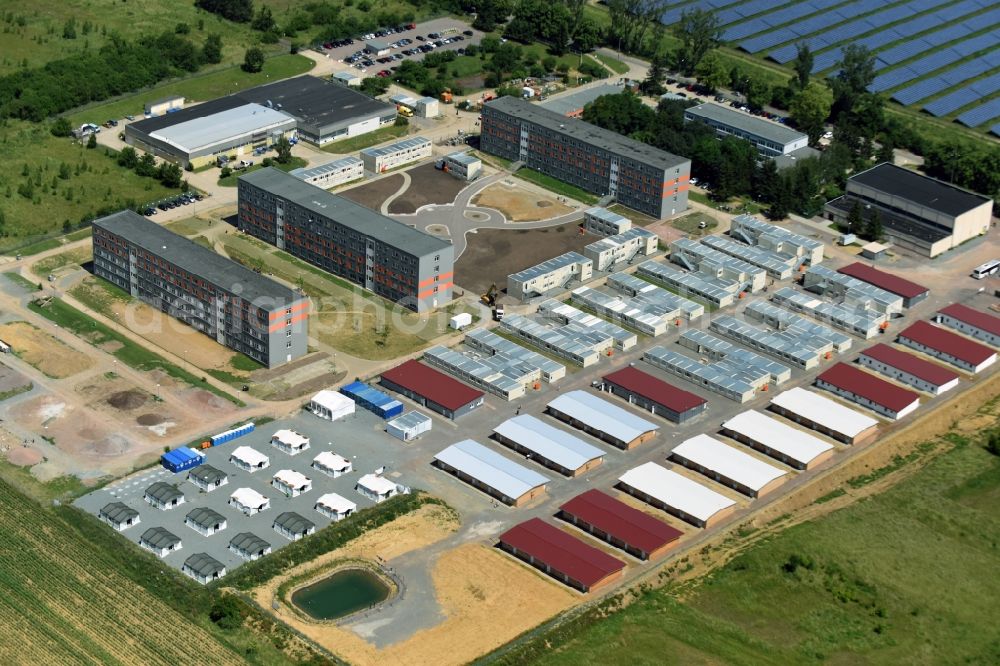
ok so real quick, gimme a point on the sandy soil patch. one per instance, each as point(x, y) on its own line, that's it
point(518, 204)
point(170, 334)
point(71, 428)
point(24, 457)
point(43, 351)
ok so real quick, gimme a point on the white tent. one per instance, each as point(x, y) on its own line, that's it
point(335, 507)
point(291, 483)
point(249, 501)
point(289, 441)
point(248, 459)
point(332, 464)
point(376, 488)
point(331, 405)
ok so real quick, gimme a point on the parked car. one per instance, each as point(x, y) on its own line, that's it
point(433, 35)
point(421, 38)
point(467, 33)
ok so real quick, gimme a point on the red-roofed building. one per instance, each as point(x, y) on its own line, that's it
point(561, 555)
point(637, 533)
point(909, 369)
point(911, 292)
point(654, 394)
point(432, 389)
point(978, 324)
point(869, 391)
point(947, 346)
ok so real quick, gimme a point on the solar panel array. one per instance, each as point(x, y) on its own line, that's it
point(936, 60)
point(981, 114)
point(674, 15)
point(995, 129)
point(952, 77)
point(779, 17)
point(932, 40)
point(953, 101)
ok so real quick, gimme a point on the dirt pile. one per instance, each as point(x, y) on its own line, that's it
point(127, 400)
point(150, 419)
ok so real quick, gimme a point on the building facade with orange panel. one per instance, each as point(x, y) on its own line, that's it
point(641, 177)
point(389, 258)
point(239, 308)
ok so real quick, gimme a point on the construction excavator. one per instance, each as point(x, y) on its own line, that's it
point(490, 300)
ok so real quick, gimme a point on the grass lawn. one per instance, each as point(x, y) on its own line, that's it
point(363, 141)
point(689, 224)
point(196, 88)
point(902, 577)
point(557, 186)
point(51, 184)
point(615, 65)
point(231, 179)
point(638, 219)
point(119, 346)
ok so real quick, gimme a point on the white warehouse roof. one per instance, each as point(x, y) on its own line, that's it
point(602, 415)
point(548, 441)
point(248, 497)
point(491, 468)
point(251, 457)
point(336, 503)
point(198, 133)
point(823, 411)
point(791, 442)
point(677, 491)
point(727, 461)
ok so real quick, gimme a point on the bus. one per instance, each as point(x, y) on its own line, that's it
point(986, 270)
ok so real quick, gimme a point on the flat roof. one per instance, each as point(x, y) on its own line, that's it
point(602, 415)
point(315, 101)
point(195, 259)
point(587, 133)
point(726, 461)
point(869, 387)
point(945, 341)
point(330, 167)
point(676, 491)
point(792, 443)
point(491, 468)
point(887, 281)
point(549, 442)
point(197, 133)
point(575, 101)
point(919, 189)
point(405, 144)
point(621, 521)
point(432, 384)
point(825, 412)
point(344, 211)
point(914, 365)
point(657, 390)
point(561, 551)
point(463, 157)
point(410, 420)
point(549, 265)
point(765, 129)
point(974, 318)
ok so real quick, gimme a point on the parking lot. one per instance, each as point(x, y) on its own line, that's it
point(445, 34)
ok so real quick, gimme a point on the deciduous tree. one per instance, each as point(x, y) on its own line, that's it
point(699, 32)
point(810, 108)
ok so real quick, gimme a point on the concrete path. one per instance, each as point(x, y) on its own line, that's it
point(384, 208)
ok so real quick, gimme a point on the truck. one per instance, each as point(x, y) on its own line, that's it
point(498, 312)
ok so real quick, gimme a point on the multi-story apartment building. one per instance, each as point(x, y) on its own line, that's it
point(238, 307)
point(639, 176)
point(338, 235)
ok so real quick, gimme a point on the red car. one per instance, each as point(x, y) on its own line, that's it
point(384, 73)
point(411, 26)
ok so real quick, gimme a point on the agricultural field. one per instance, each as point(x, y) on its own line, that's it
point(903, 576)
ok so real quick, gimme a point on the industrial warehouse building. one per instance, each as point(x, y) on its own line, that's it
point(731, 467)
point(561, 555)
point(824, 415)
point(432, 389)
point(919, 213)
point(600, 161)
point(866, 389)
point(621, 248)
point(656, 395)
point(237, 307)
point(911, 292)
point(492, 473)
point(554, 273)
point(331, 174)
point(602, 419)
point(908, 369)
point(771, 139)
point(974, 323)
point(796, 448)
point(676, 494)
point(603, 222)
point(407, 151)
point(311, 108)
point(947, 346)
point(625, 527)
point(548, 445)
point(338, 235)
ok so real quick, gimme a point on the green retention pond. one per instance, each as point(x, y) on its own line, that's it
point(340, 594)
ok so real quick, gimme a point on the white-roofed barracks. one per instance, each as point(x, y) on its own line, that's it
point(487, 470)
point(729, 466)
point(676, 494)
point(548, 445)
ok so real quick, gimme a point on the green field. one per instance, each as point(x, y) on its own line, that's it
point(554, 185)
point(196, 88)
point(615, 65)
point(903, 577)
point(363, 141)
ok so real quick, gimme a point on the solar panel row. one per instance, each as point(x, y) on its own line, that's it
point(981, 114)
point(946, 34)
point(953, 101)
point(674, 15)
point(936, 60)
point(780, 17)
point(952, 77)
point(995, 129)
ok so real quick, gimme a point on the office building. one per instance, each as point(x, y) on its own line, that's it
point(382, 255)
point(239, 308)
point(771, 139)
point(605, 163)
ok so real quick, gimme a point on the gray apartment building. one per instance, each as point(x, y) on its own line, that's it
point(641, 177)
point(389, 258)
point(238, 307)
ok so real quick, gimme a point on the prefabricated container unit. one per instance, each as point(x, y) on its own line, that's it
point(460, 321)
point(409, 426)
point(181, 459)
point(375, 401)
point(230, 435)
